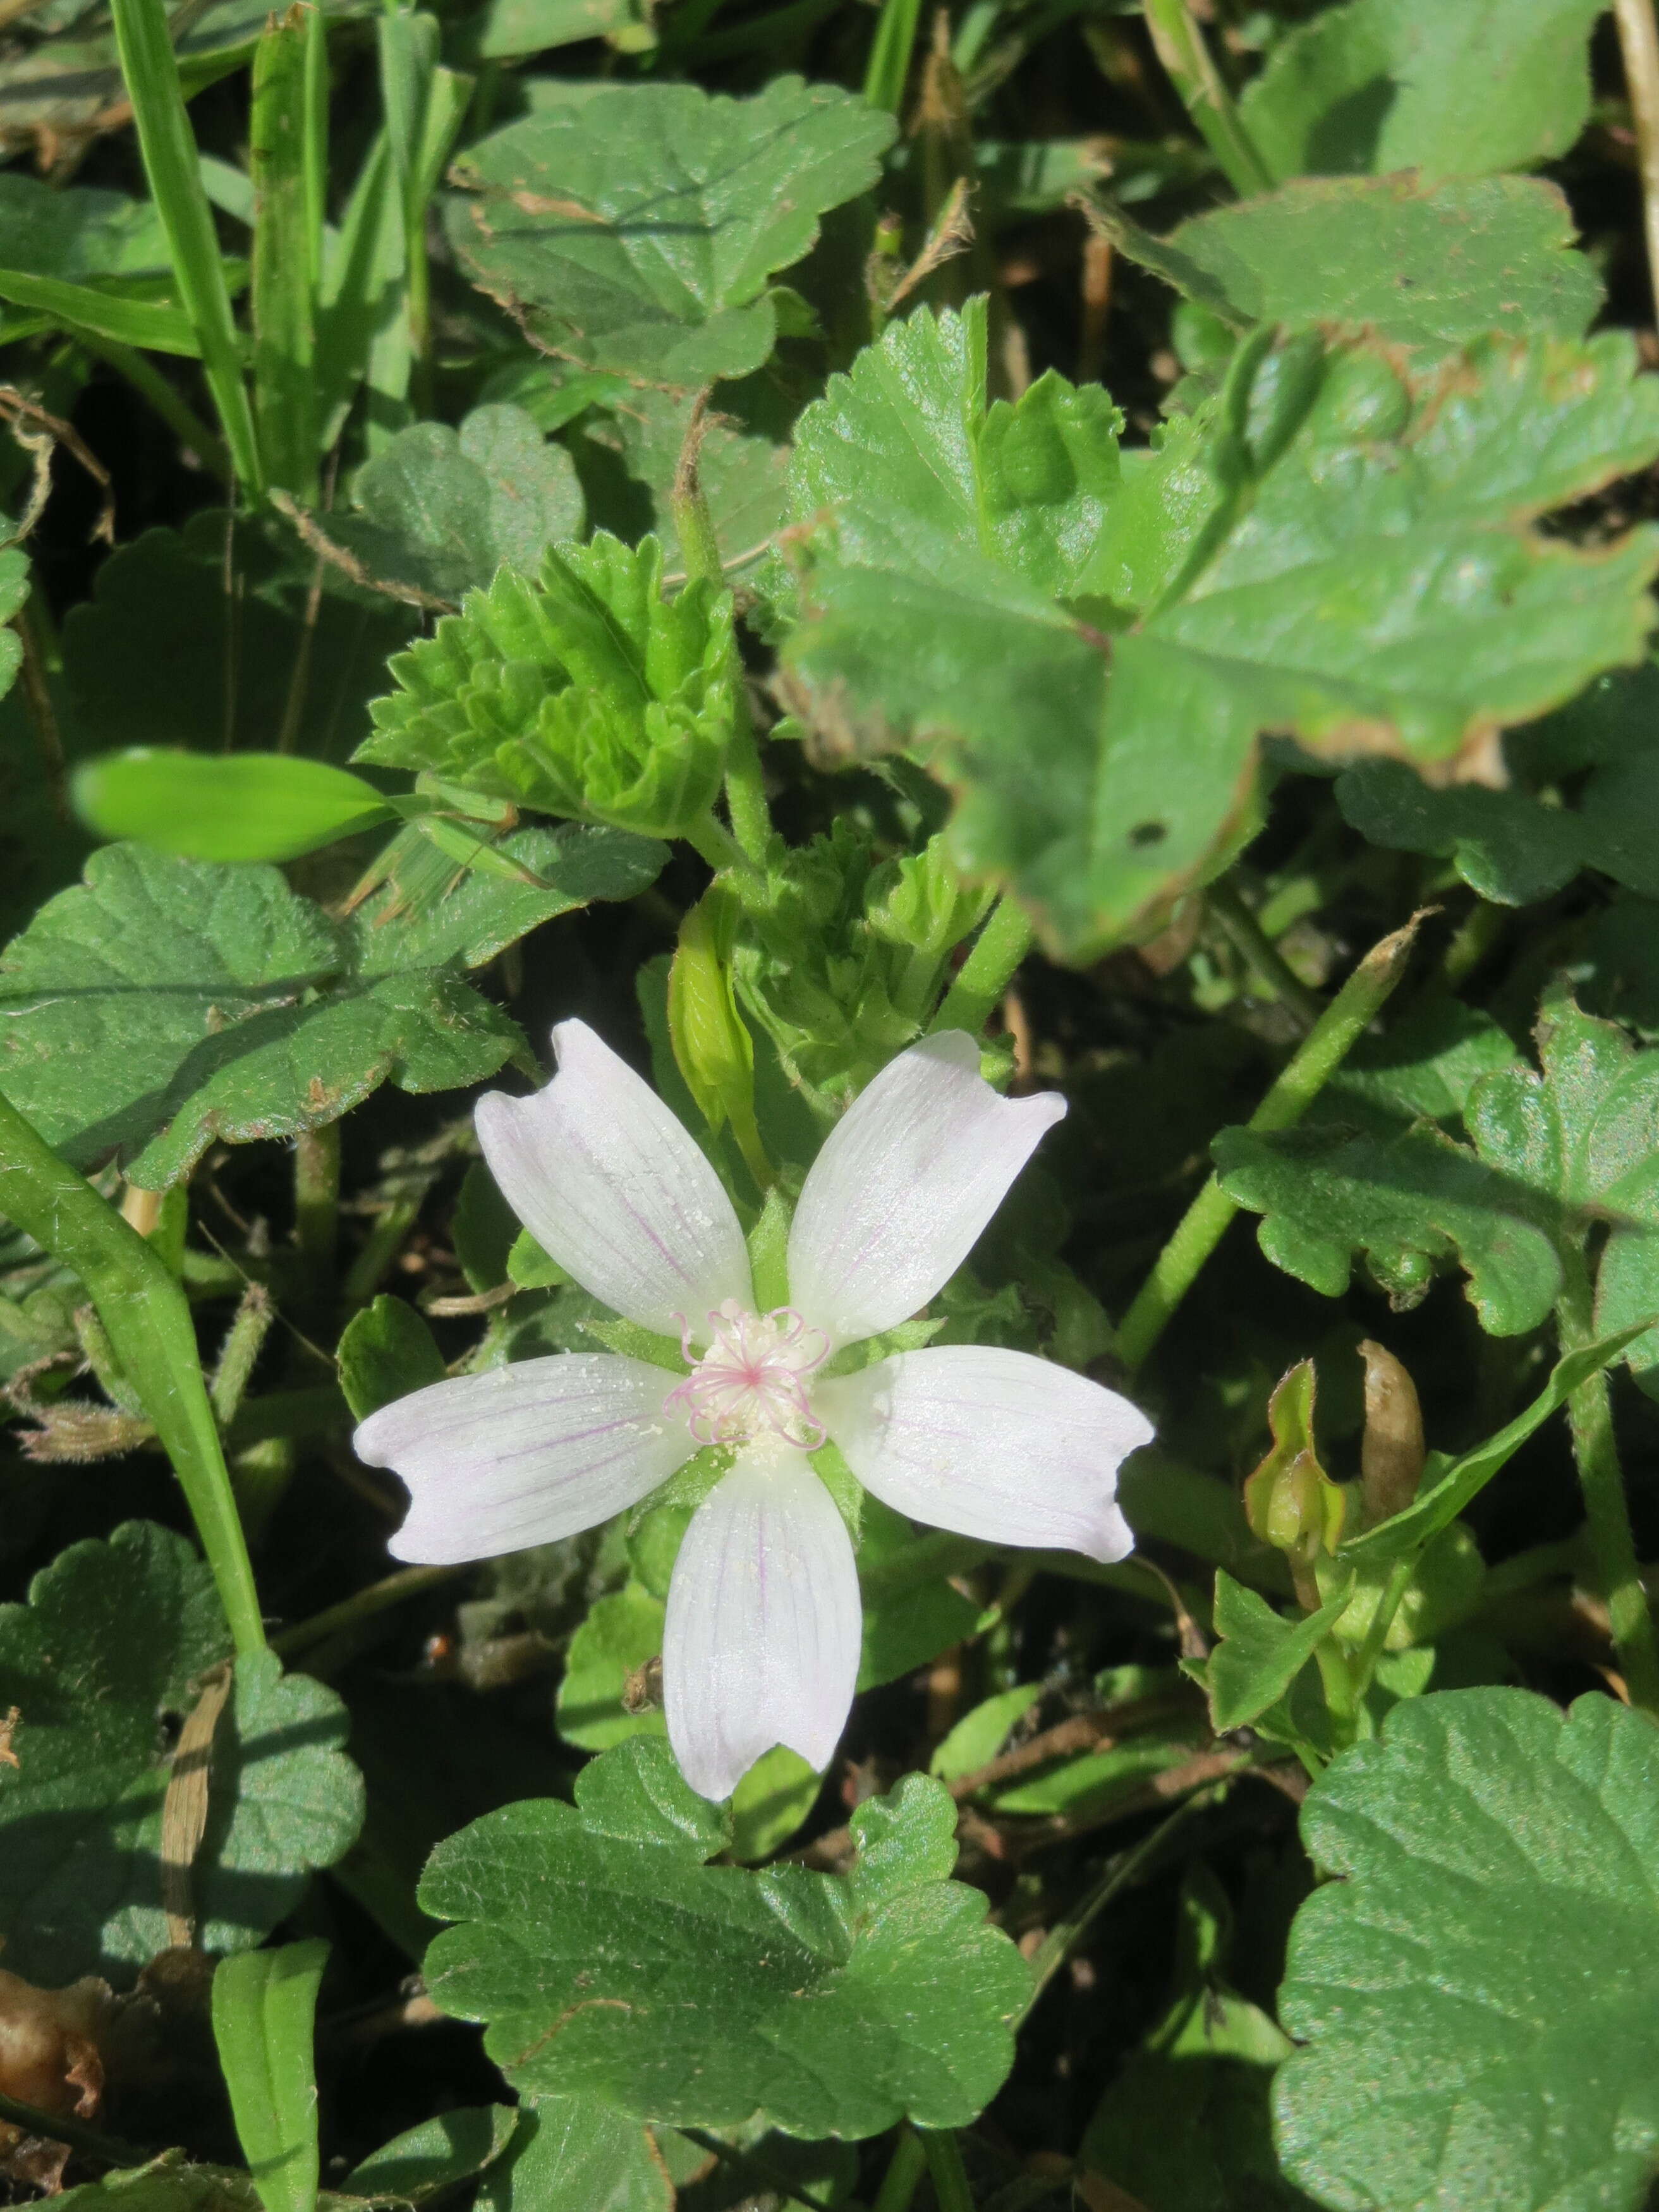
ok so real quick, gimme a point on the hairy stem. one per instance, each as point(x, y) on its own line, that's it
point(317, 1200)
point(1201, 1228)
point(986, 972)
point(1613, 1546)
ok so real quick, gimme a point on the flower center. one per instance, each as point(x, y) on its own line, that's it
point(752, 1380)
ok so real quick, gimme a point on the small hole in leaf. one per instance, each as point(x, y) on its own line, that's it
point(1148, 833)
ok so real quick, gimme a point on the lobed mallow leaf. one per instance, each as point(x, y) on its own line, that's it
point(438, 511)
point(637, 230)
point(163, 1002)
point(112, 1646)
point(585, 692)
point(1478, 1998)
point(608, 1959)
point(1381, 85)
point(1415, 262)
point(1334, 548)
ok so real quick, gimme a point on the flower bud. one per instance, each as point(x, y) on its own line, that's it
point(1392, 1455)
point(1289, 1501)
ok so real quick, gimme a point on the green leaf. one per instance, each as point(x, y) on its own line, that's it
point(1410, 1200)
point(169, 2184)
point(224, 806)
point(108, 314)
point(78, 231)
point(1206, 2071)
point(1260, 1653)
point(979, 1736)
point(577, 2154)
point(622, 1634)
point(1418, 264)
point(385, 1352)
point(831, 2005)
point(264, 2011)
point(586, 693)
point(114, 1640)
point(1380, 85)
point(637, 229)
point(165, 1002)
point(209, 637)
point(437, 2153)
point(1334, 548)
point(1503, 844)
point(1476, 1997)
point(439, 511)
point(480, 915)
point(508, 28)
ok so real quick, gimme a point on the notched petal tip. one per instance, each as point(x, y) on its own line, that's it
point(762, 1640)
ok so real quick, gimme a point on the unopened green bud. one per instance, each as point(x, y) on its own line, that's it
point(1289, 1501)
point(713, 1047)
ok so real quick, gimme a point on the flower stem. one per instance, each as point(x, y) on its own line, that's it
point(1192, 70)
point(903, 2176)
point(723, 853)
point(1244, 932)
point(1613, 1546)
point(745, 786)
point(362, 1605)
point(1638, 48)
point(986, 972)
point(317, 1200)
point(1322, 1051)
point(943, 2155)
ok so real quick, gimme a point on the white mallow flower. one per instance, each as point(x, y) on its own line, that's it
point(761, 1645)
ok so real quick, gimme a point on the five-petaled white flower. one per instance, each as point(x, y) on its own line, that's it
point(761, 1643)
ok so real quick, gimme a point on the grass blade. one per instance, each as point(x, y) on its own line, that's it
point(148, 1322)
point(147, 323)
point(284, 254)
point(168, 146)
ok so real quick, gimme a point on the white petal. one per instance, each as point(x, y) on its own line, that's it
point(525, 1453)
point(905, 1184)
point(611, 1184)
point(761, 1645)
point(989, 1444)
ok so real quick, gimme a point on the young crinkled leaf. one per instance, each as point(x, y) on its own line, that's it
point(1416, 263)
point(1332, 549)
point(637, 230)
point(1477, 1998)
point(607, 1959)
point(584, 693)
point(1380, 85)
point(115, 1640)
point(163, 1002)
point(14, 590)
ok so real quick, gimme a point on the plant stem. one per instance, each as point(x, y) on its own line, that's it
point(986, 972)
point(723, 852)
point(943, 2155)
point(1638, 48)
point(1322, 1051)
point(362, 1605)
point(1192, 70)
point(61, 2127)
point(1249, 938)
point(150, 1325)
point(745, 786)
point(317, 1199)
point(173, 165)
point(1613, 1546)
point(903, 2176)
